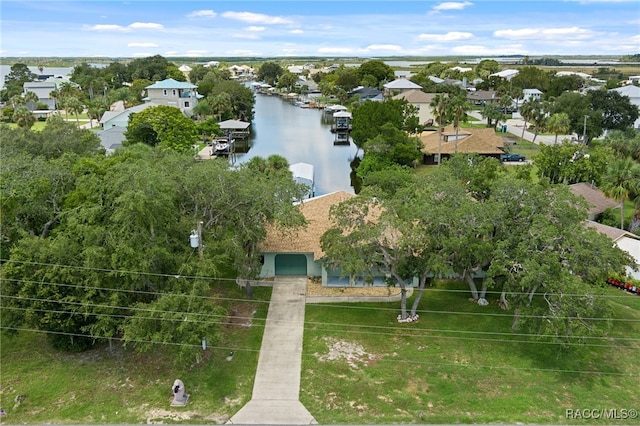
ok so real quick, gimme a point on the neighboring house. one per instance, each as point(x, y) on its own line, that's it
point(625, 240)
point(367, 94)
point(43, 90)
point(300, 253)
point(482, 97)
point(530, 94)
point(633, 93)
point(111, 138)
point(484, 142)
point(598, 202)
point(506, 74)
point(422, 101)
point(174, 93)
point(120, 118)
point(398, 86)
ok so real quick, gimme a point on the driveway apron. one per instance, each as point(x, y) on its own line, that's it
point(276, 390)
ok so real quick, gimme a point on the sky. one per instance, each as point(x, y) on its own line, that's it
point(328, 28)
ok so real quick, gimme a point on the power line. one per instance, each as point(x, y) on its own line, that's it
point(177, 275)
point(420, 311)
point(405, 361)
point(378, 330)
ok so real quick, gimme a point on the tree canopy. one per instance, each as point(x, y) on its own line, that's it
point(163, 126)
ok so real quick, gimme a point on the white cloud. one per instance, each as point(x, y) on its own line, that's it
point(120, 28)
point(241, 52)
point(202, 14)
point(142, 45)
point(171, 53)
point(474, 50)
point(246, 36)
point(298, 31)
point(146, 26)
point(452, 5)
point(450, 36)
point(544, 33)
point(106, 27)
point(255, 28)
point(384, 47)
point(256, 18)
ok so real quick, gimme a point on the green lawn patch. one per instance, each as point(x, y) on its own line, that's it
point(116, 385)
point(459, 364)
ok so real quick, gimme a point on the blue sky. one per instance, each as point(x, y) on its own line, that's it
point(138, 28)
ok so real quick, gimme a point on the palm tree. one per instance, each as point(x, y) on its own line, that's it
point(31, 97)
point(74, 106)
point(459, 107)
point(559, 123)
point(16, 101)
point(440, 107)
point(530, 111)
point(620, 181)
point(220, 103)
point(202, 109)
point(23, 117)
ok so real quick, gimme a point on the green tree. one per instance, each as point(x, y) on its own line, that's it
point(287, 80)
point(559, 123)
point(618, 113)
point(621, 179)
point(23, 117)
point(163, 126)
point(19, 74)
point(578, 107)
point(74, 106)
point(441, 107)
point(370, 116)
point(377, 69)
point(570, 163)
point(491, 114)
point(269, 72)
point(241, 98)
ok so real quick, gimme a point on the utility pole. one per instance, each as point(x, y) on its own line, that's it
point(584, 130)
point(200, 239)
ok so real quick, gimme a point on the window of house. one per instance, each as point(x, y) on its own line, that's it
point(173, 92)
point(164, 92)
point(186, 104)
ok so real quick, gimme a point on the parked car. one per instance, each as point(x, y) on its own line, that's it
point(512, 157)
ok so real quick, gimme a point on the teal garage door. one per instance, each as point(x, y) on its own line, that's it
point(291, 264)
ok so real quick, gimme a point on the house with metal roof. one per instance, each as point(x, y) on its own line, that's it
point(43, 89)
point(399, 85)
point(170, 92)
point(625, 240)
point(120, 118)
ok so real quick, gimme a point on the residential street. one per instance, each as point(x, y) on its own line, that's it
point(514, 126)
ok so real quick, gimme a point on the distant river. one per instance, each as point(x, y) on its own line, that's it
point(300, 135)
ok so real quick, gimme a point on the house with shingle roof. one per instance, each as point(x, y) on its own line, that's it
point(422, 101)
point(483, 142)
point(300, 253)
point(598, 202)
point(175, 93)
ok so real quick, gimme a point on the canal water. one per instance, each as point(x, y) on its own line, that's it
point(300, 135)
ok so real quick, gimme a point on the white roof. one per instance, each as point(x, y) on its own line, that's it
point(302, 170)
point(342, 114)
point(579, 74)
point(631, 91)
point(402, 83)
point(185, 68)
point(234, 124)
point(508, 74)
point(631, 246)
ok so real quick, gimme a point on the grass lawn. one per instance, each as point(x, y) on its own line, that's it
point(449, 367)
point(119, 386)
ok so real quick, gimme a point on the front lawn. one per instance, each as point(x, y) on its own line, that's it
point(460, 364)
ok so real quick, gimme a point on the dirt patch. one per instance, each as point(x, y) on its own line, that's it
point(159, 416)
point(241, 315)
point(315, 288)
point(353, 353)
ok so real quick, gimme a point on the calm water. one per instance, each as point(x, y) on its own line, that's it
point(299, 135)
